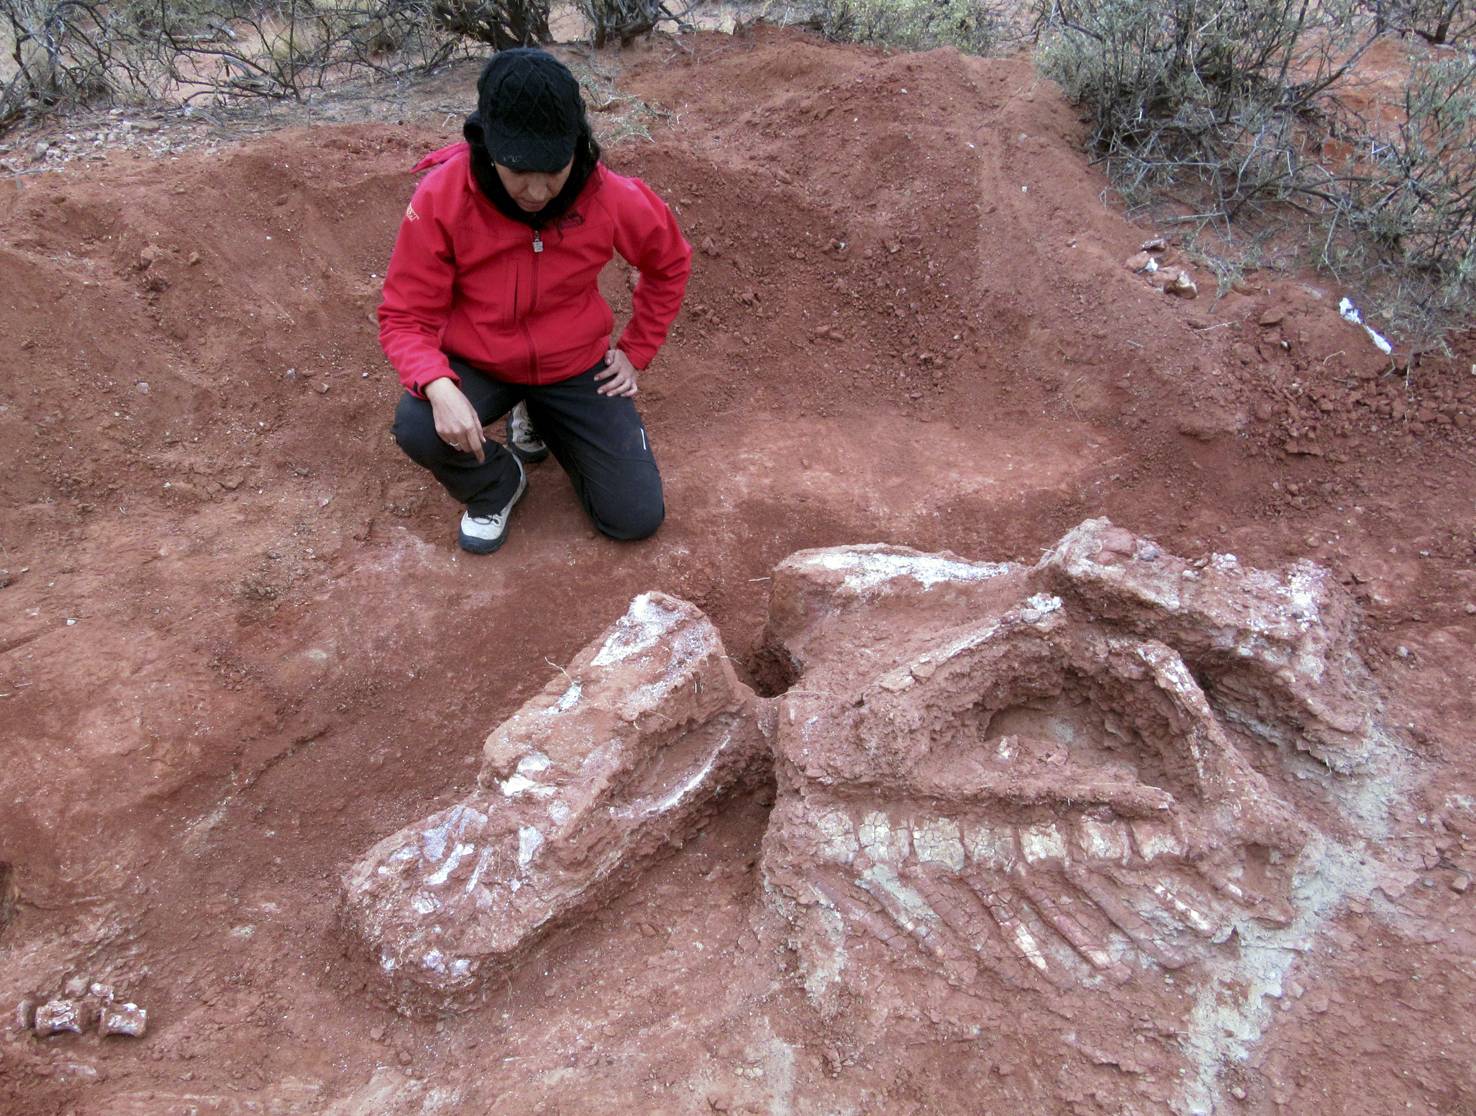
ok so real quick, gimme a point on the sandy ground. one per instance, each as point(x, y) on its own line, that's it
point(240, 644)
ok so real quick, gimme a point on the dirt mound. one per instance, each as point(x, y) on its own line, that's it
point(240, 647)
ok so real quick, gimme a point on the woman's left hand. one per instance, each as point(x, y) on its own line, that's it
point(619, 374)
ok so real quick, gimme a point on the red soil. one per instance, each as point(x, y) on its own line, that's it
point(240, 645)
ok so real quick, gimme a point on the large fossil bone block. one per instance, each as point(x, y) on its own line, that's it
point(1278, 645)
point(622, 753)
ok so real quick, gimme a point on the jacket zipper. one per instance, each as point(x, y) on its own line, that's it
point(532, 302)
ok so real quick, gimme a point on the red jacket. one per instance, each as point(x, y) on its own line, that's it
point(526, 308)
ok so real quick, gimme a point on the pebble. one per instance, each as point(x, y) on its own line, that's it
point(1138, 262)
point(1182, 285)
point(1461, 884)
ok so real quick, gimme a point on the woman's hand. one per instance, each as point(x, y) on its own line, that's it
point(620, 374)
point(456, 419)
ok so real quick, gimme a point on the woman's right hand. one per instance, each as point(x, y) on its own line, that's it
point(456, 419)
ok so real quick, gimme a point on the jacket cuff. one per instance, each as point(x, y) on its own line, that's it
point(640, 356)
point(417, 386)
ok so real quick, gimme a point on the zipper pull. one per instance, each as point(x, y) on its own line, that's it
point(537, 241)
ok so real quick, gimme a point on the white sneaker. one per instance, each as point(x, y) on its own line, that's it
point(482, 534)
point(522, 439)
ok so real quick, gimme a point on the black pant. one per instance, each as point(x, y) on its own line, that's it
point(598, 439)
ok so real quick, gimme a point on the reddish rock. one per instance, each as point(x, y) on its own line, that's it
point(620, 756)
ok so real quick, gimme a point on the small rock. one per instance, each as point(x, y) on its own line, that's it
point(1138, 262)
point(376, 1033)
point(41, 148)
point(1153, 244)
point(142, 387)
point(322, 389)
point(1272, 317)
point(1182, 285)
point(194, 259)
point(1461, 884)
point(147, 125)
point(103, 992)
point(1237, 1092)
point(25, 1015)
point(76, 988)
point(128, 1019)
point(58, 1017)
point(709, 247)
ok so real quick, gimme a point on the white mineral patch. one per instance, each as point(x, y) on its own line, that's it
point(515, 785)
point(880, 878)
point(529, 842)
point(967, 642)
point(866, 569)
point(569, 698)
point(1042, 842)
point(1040, 605)
point(458, 853)
point(1103, 840)
point(838, 840)
point(535, 763)
point(454, 822)
point(1154, 840)
point(990, 846)
point(521, 781)
point(1303, 586)
point(938, 840)
point(1224, 561)
point(1192, 916)
point(1028, 946)
point(476, 876)
point(425, 904)
point(642, 627)
point(883, 842)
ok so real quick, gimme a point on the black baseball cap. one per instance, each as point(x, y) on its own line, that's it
point(531, 110)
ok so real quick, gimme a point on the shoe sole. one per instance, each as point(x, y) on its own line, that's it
point(525, 457)
point(490, 546)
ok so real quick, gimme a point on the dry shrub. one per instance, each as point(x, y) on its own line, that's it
point(68, 53)
point(973, 26)
point(1233, 113)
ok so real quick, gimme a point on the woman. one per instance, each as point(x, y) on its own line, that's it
point(491, 301)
